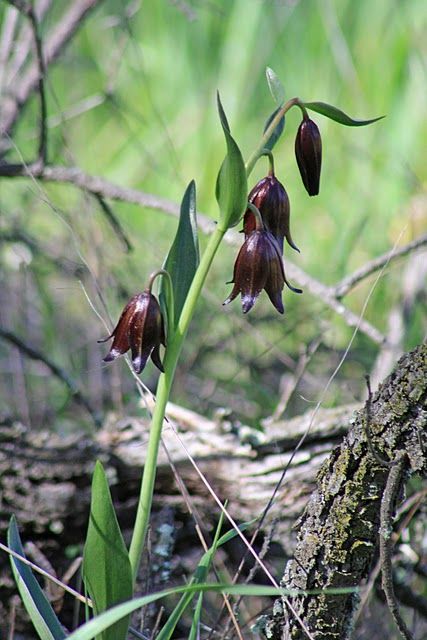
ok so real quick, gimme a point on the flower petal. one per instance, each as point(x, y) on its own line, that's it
point(139, 359)
point(155, 357)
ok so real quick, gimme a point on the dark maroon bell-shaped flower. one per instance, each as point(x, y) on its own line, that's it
point(308, 151)
point(140, 329)
point(270, 198)
point(259, 266)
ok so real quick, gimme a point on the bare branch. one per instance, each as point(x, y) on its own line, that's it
point(372, 266)
point(327, 295)
point(17, 56)
point(42, 150)
point(114, 222)
point(57, 371)
point(55, 44)
point(26, 8)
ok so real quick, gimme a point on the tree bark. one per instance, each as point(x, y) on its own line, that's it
point(339, 530)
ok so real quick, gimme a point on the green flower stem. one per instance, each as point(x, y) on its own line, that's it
point(269, 154)
point(162, 396)
point(259, 225)
point(259, 151)
point(171, 306)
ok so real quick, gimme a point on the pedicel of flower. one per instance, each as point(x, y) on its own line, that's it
point(259, 266)
point(308, 152)
point(271, 199)
point(141, 329)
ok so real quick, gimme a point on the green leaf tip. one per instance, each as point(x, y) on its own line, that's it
point(183, 258)
point(277, 89)
point(337, 115)
point(222, 116)
point(231, 188)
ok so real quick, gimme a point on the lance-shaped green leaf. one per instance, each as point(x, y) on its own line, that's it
point(106, 568)
point(36, 604)
point(183, 257)
point(336, 114)
point(231, 185)
point(277, 89)
point(277, 131)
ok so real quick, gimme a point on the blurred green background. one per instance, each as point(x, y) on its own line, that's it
point(132, 99)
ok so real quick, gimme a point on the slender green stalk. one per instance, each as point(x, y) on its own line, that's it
point(171, 358)
point(163, 390)
point(171, 305)
point(259, 151)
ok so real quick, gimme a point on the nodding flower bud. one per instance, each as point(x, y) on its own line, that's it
point(259, 266)
point(270, 198)
point(140, 328)
point(308, 151)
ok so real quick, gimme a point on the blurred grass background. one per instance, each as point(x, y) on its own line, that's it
point(132, 99)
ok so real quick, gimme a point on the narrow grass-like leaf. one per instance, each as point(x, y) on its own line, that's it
point(106, 567)
point(105, 620)
point(200, 576)
point(231, 185)
point(277, 89)
point(277, 132)
point(183, 257)
point(336, 114)
point(36, 604)
point(195, 625)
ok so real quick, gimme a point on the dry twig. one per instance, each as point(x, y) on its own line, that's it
point(394, 482)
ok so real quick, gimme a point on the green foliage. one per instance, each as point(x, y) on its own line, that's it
point(106, 567)
point(200, 577)
point(36, 604)
point(339, 116)
point(231, 184)
point(183, 257)
point(102, 622)
point(278, 129)
point(276, 87)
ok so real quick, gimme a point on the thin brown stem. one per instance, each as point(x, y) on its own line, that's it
point(114, 222)
point(393, 485)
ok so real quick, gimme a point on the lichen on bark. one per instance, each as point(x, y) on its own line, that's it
point(339, 529)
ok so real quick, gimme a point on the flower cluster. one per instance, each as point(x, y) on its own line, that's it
point(259, 264)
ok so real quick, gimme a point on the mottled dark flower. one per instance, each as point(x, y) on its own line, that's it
point(270, 198)
point(259, 266)
point(308, 151)
point(140, 328)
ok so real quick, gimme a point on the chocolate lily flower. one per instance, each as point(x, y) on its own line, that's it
point(259, 266)
point(140, 328)
point(270, 198)
point(308, 152)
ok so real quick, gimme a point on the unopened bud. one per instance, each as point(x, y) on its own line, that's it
point(308, 152)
